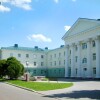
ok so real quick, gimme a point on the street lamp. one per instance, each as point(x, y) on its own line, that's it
point(27, 73)
point(27, 64)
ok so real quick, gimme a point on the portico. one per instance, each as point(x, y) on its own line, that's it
point(85, 60)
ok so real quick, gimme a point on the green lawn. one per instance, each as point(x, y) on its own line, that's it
point(40, 86)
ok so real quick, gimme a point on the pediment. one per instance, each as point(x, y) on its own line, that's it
point(81, 25)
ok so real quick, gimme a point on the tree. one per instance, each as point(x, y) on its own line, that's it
point(3, 68)
point(14, 68)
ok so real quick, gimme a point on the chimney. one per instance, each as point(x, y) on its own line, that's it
point(16, 45)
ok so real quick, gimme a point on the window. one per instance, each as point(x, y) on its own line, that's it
point(94, 56)
point(94, 70)
point(70, 61)
point(70, 51)
point(27, 55)
point(19, 55)
point(34, 71)
point(42, 71)
point(55, 63)
point(59, 54)
point(59, 62)
point(11, 54)
point(76, 58)
point(42, 56)
point(34, 56)
point(84, 60)
point(84, 46)
point(42, 64)
point(76, 48)
point(34, 63)
point(76, 71)
point(64, 53)
point(93, 43)
point(64, 62)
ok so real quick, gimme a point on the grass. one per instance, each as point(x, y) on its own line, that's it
point(40, 86)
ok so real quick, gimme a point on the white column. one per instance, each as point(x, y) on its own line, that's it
point(89, 64)
point(72, 61)
point(97, 57)
point(66, 61)
point(79, 60)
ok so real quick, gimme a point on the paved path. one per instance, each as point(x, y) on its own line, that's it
point(82, 90)
point(8, 92)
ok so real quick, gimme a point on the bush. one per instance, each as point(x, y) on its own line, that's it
point(14, 68)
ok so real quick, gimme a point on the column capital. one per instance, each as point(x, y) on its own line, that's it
point(96, 38)
point(67, 46)
point(89, 40)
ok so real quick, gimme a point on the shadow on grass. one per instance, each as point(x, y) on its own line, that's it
point(91, 94)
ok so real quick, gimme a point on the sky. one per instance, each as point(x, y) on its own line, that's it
point(42, 23)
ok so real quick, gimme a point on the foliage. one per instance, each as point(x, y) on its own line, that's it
point(11, 67)
point(41, 86)
point(14, 68)
point(3, 68)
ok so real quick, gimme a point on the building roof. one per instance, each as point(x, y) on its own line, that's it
point(16, 47)
point(96, 22)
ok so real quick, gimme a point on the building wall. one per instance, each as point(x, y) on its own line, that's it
point(42, 66)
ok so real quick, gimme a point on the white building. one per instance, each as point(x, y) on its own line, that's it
point(83, 49)
point(38, 61)
point(79, 58)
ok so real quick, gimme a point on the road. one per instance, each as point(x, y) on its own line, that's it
point(8, 92)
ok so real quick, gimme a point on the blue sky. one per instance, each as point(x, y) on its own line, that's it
point(42, 23)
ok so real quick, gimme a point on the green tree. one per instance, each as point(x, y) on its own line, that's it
point(15, 69)
point(3, 68)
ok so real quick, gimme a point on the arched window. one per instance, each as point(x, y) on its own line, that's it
point(84, 60)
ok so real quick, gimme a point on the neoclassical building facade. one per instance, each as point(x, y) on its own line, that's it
point(82, 43)
point(78, 58)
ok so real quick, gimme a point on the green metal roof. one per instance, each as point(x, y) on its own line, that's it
point(23, 48)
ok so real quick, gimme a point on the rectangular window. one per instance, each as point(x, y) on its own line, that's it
point(64, 53)
point(84, 45)
point(42, 56)
point(94, 56)
point(34, 71)
point(59, 62)
point(93, 43)
point(42, 64)
point(64, 62)
point(70, 61)
point(55, 63)
point(34, 63)
point(76, 48)
point(76, 58)
point(19, 55)
point(27, 55)
point(70, 51)
point(59, 54)
point(94, 70)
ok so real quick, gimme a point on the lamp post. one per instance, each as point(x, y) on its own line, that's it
point(27, 73)
point(27, 63)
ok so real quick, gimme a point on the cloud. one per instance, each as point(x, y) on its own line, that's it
point(24, 4)
point(67, 27)
point(38, 38)
point(4, 9)
point(56, 1)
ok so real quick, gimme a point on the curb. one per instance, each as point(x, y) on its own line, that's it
point(24, 88)
point(28, 89)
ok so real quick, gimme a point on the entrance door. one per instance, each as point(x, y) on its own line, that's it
point(84, 72)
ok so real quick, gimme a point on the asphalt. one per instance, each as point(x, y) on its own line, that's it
point(81, 90)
